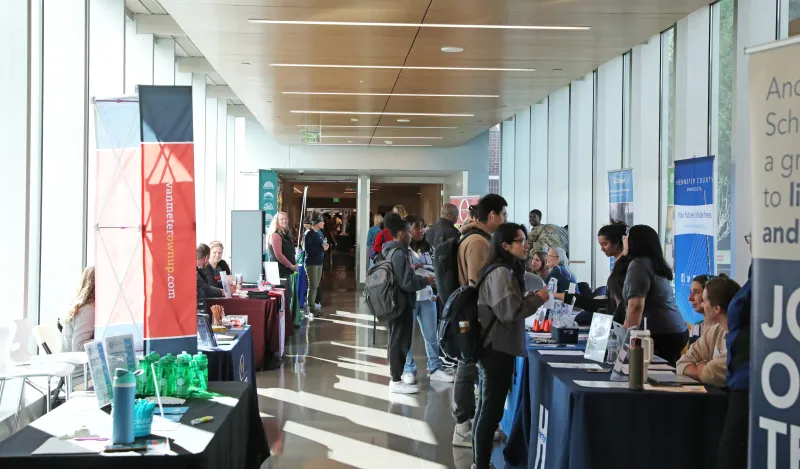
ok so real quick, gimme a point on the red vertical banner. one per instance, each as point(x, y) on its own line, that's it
point(168, 218)
point(463, 203)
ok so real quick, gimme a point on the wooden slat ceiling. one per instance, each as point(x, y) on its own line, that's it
point(242, 53)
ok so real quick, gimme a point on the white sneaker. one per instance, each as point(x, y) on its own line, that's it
point(441, 375)
point(462, 435)
point(318, 307)
point(399, 387)
point(409, 379)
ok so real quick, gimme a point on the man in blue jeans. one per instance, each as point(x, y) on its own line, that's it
point(424, 311)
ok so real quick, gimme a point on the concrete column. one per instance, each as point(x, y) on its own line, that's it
point(199, 125)
point(362, 226)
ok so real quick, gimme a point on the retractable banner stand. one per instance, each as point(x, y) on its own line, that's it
point(620, 198)
point(694, 227)
point(463, 203)
point(168, 219)
point(119, 283)
point(774, 97)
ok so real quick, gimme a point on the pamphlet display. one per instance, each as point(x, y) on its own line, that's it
point(98, 368)
point(205, 335)
point(226, 284)
point(598, 337)
point(120, 352)
point(272, 273)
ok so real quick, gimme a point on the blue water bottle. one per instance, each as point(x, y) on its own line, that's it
point(122, 407)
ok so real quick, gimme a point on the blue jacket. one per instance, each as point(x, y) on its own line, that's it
point(372, 234)
point(563, 275)
point(315, 255)
point(738, 341)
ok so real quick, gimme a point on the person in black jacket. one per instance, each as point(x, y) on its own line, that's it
point(401, 326)
point(315, 257)
point(204, 288)
point(445, 228)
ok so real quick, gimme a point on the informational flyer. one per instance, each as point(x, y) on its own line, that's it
point(120, 352)
point(598, 337)
point(98, 368)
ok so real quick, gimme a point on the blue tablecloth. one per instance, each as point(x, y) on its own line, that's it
point(234, 361)
point(559, 424)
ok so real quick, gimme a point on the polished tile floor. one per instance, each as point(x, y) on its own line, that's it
point(329, 406)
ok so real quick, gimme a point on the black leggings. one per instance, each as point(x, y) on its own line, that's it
point(732, 452)
point(670, 346)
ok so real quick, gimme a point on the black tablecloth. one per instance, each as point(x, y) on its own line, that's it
point(560, 424)
point(232, 362)
point(234, 439)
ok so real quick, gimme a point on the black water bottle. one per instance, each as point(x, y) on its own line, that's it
point(636, 365)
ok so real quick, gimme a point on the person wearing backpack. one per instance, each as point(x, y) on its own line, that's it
point(472, 257)
point(503, 306)
point(424, 310)
point(407, 284)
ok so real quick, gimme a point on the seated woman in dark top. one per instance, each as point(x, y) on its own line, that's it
point(216, 265)
point(557, 262)
point(648, 294)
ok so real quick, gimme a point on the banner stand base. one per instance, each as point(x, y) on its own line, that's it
point(173, 345)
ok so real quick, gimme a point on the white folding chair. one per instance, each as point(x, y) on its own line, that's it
point(24, 371)
point(48, 338)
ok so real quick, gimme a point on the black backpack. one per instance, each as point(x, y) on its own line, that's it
point(445, 264)
point(462, 306)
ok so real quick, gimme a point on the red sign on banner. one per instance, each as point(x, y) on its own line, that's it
point(463, 203)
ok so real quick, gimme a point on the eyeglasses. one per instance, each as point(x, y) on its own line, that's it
point(554, 256)
point(747, 238)
point(521, 241)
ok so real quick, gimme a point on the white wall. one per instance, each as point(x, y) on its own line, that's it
point(581, 185)
point(558, 163)
point(645, 131)
point(538, 135)
point(608, 150)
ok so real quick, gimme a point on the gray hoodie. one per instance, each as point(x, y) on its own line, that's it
point(500, 297)
point(408, 283)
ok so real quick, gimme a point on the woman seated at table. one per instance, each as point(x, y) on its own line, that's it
point(696, 300)
point(502, 308)
point(538, 264)
point(558, 264)
point(216, 265)
point(78, 323)
point(706, 359)
point(647, 294)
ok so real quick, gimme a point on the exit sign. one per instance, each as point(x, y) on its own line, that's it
point(336, 200)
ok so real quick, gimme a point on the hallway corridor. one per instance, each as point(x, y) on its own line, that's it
point(329, 406)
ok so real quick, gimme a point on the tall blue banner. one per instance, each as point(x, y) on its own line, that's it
point(774, 374)
point(620, 198)
point(694, 227)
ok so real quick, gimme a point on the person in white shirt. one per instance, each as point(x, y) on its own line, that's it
point(78, 323)
point(424, 310)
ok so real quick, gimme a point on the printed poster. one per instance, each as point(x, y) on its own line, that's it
point(775, 196)
point(620, 198)
point(694, 227)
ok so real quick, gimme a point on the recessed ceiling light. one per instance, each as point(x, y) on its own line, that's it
point(373, 126)
point(370, 136)
point(361, 81)
point(361, 145)
point(349, 141)
point(381, 113)
point(404, 95)
point(423, 25)
point(246, 64)
point(403, 67)
point(452, 49)
point(354, 120)
point(403, 120)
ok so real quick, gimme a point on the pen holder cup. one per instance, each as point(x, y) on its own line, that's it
point(143, 418)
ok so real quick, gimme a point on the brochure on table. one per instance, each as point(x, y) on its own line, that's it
point(98, 368)
point(226, 285)
point(120, 353)
point(598, 337)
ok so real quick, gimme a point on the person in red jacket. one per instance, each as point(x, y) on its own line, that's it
point(383, 237)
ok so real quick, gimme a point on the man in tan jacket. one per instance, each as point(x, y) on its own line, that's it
point(473, 254)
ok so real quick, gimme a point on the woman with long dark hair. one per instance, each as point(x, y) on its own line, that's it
point(502, 308)
point(648, 294)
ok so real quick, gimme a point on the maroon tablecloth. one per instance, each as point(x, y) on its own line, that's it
point(264, 319)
